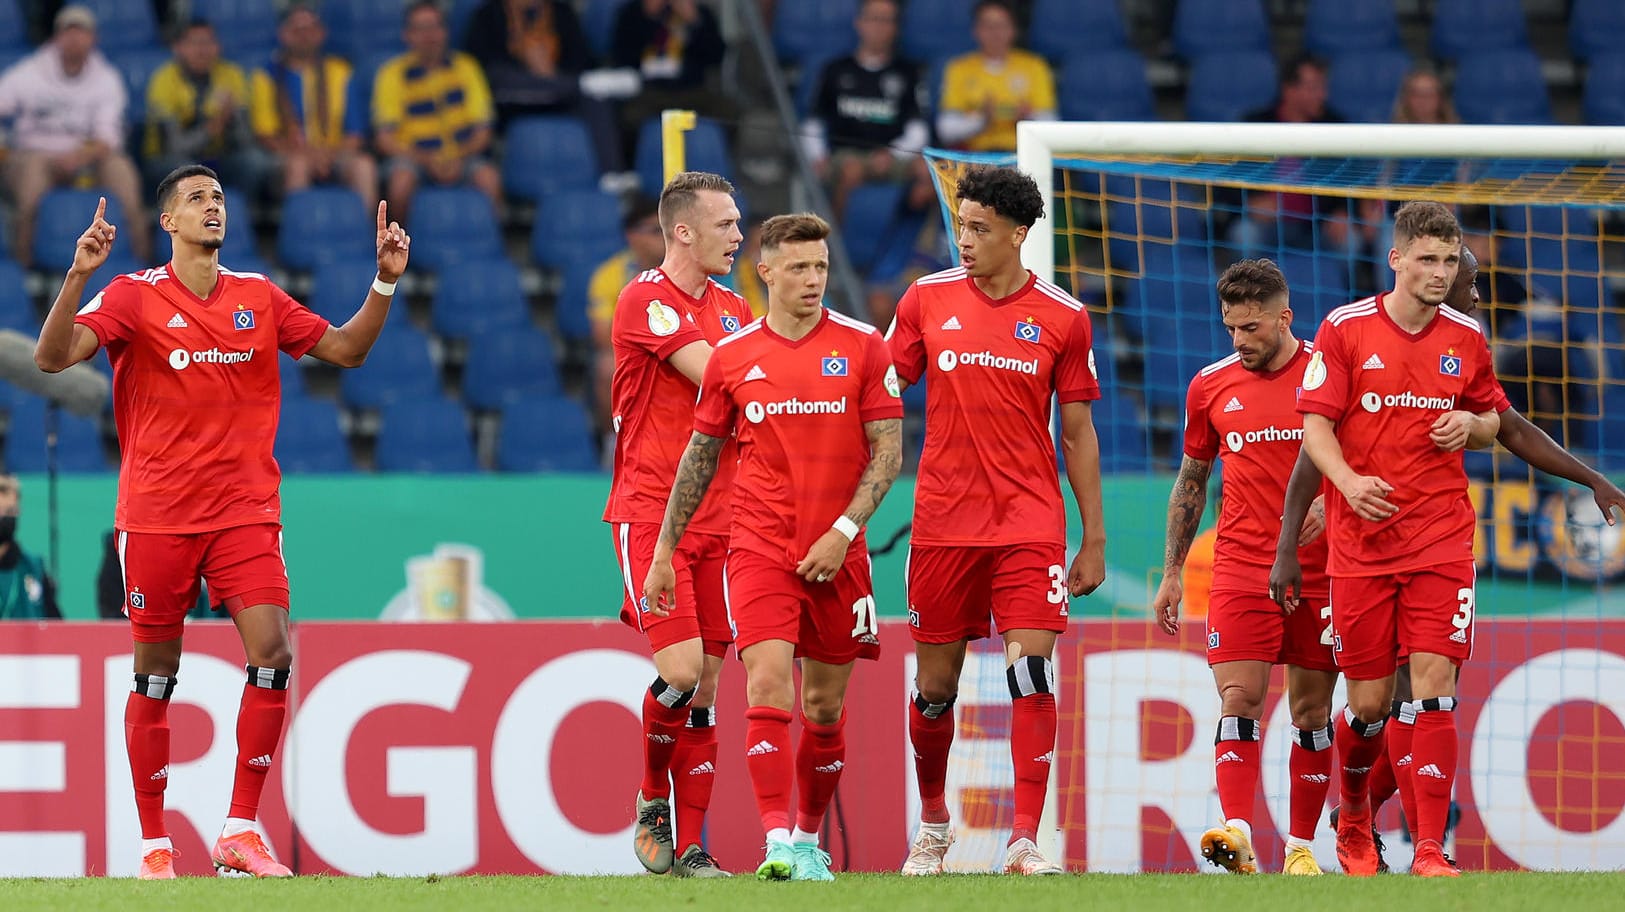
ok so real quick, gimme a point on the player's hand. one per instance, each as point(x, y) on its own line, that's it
point(1088, 569)
point(1368, 495)
point(659, 589)
point(1286, 582)
point(824, 558)
point(393, 245)
point(1314, 522)
point(1166, 605)
point(1451, 430)
point(95, 244)
point(1609, 498)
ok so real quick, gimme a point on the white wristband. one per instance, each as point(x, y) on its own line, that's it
point(847, 527)
point(382, 287)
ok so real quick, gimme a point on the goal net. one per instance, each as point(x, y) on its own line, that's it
point(1141, 218)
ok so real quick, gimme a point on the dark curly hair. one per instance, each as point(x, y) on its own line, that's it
point(1011, 193)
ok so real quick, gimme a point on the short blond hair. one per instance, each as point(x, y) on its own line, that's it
point(793, 229)
point(677, 198)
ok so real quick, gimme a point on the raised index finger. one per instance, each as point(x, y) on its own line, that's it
point(101, 207)
point(382, 222)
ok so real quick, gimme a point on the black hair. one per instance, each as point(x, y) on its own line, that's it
point(641, 207)
point(1011, 193)
point(1293, 66)
point(171, 181)
point(188, 26)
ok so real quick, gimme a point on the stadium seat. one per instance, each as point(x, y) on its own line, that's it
point(16, 310)
point(1505, 87)
point(598, 21)
point(1124, 446)
point(63, 216)
point(570, 316)
point(122, 24)
point(1335, 27)
point(246, 28)
point(338, 288)
point(543, 155)
point(1362, 86)
point(809, 77)
point(509, 364)
point(13, 27)
point(399, 367)
point(1106, 84)
point(1203, 27)
point(707, 151)
point(78, 443)
point(484, 294)
point(309, 438)
point(425, 435)
point(1465, 30)
point(933, 29)
point(1603, 99)
point(323, 224)
point(871, 210)
point(1060, 28)
point(357, 27)
point(802, 31)
point(1225, 86)
point(136, 64)
point(1596, 27)
point(450, 225)
point(576, 226)
point(551, 434)
point(459, 17)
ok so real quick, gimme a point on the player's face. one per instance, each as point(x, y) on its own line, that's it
point(987, 240)
point(1426, 268)
point(197, 213)
point(795, 275)
point(1258, 331)
point(1463, 295)
point(712, 231)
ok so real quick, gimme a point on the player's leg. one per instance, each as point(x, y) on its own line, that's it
point(1309, 696)
point(1436, 628)
point(1242, 685)
point(1366, 641)
point(694, 764)
point(1384, 776)
point(820, 758)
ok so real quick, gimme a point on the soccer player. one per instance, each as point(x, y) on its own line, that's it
point(196, 393)
point(997, 344)
point(1396, 388)
point(1243, 411)
point(665, 322)
point(813, 400)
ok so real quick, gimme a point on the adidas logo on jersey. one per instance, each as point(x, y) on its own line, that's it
point(1459, 636)
point(704, 769)
point(1432, 771)
point(952, 323)
point(1373, 363)
point(661, 739)
point(835, 767)
point(1317, 778)
point(1229, 757)
point(263, 760)
point(762, 747)
point(1404, 761)
point(1049, 757)
point(1234, 405)
point(755, 373)
point(161, 774)
point(177, 322)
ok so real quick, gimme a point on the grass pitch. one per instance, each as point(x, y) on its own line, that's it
point(887, 892)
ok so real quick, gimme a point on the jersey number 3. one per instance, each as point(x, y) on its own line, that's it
point(1057, 587)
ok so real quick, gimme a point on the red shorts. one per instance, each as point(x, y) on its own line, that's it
point(1376, 619)
point(831, 622)
point(700, 610)
point(1244, 627)
point(242, 566)
point(951, 590)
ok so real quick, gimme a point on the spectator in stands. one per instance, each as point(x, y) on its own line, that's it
point(197, 111)
point(1301, 98)
point(1422, 100)
point(677, 47)
point(431, 114)
point(645, 248)
point(27, 592)
point(533, 53)
point(926, 250)
point(867, 121)
point(66, 104)
point(985, 92)
point(1302, 95)
point(306, 111)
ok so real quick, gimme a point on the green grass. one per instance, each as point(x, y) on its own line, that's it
point(891, 893)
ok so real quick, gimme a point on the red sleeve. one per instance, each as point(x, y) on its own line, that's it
point(1483, 391)
point(1201, 437)
point(904, 338)
point(881, 396)
point(1327, 378)
point(1075, 379)
point(643, 321)
point(112, 314)
point(298, 328)
point(715, 413)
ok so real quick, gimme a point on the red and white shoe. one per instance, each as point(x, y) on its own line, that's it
point(159, 864)
point(245, 855)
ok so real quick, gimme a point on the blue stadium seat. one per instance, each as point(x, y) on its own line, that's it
point(543, 155)
point(1335, 27)
point(63, 216)
point(598, 21)
point(707, 151)
point(1060, 28)
point(425, 435)
point(509, 364)
point(484, 294)
point(79, 440)
point(1106, 84)
point(576, 226)
point(16, 310)
point(136, 63)
point(452, 224)
point(338, 287)
point(871, 210)
point(1123, 435)
point(570, 316)
point(1318, 283)
point(1464, 30)
point(1362, 86)
point(13, 27)
point(802, 31)
point(933, 29)
point(1504, 87)
point(1596, 27)
point(323, 224)
point(309, 439)
point(1603, 99)
point(122, 24)
point(1203, 27)
point(810, 77)
point(1224, 86)
point(357, 27)
point(551, 434)
point(246, 28)
point(399, 367)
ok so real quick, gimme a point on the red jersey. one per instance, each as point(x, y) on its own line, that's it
point(1384, 387)
point(798, 409)
point(1249, 421)
point(196, 396)
point(987, 473)
point(653, 402)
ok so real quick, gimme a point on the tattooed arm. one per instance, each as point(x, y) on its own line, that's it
point(827, 554)
point(1185, 506)
point(694, 474)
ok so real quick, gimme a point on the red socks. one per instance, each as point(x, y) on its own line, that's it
point(694, 772)
point(665, 709)
point(820, 757)
point(1358, 746)
point(1310, 762)
point(146, 738)
point(259, 728)
point(1235, 766)
point(768, 758)
point(1433, 765)
point(931, 731)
